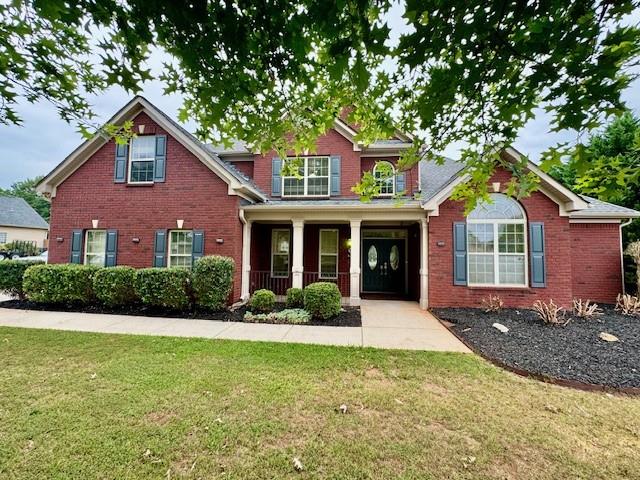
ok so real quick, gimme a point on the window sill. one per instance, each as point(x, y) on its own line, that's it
point(140, 184)
point(498, 287)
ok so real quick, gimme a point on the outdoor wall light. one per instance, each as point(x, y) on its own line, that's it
point(135, 239)
point(59, 239)
point(220, 240)
point(440, 243)
point(348, 243)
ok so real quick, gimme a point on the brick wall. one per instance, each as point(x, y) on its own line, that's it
point(191, 193)
point(595, 259)
point(558, 251)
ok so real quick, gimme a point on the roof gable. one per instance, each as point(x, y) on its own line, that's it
point(238, 183)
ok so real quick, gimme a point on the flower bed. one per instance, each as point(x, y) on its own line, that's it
point(571, 353)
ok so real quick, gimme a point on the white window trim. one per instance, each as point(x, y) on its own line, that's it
point(393, 178)
point(320, 254)
point(496, 253)
point(86, 244)
point(178, 254)
point(273, 232)
point(305, 177)
point(130, 163)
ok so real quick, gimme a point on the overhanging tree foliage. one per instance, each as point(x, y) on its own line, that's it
point(276, 73)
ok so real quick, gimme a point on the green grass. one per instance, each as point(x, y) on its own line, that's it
point(186, 408)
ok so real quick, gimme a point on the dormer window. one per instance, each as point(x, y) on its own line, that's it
point(384, 173)
point(313, 179)
point(142, 159)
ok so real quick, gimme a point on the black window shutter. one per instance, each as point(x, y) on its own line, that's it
point(161, 158)
point(160, 249)
point(197, 249)
point(112, 248)
point(459, 253)
point(276, 179)
point(120, 170)
point(536, 248)
point(76, 246)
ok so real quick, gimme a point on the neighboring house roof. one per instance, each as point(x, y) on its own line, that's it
point(438, 180)
point(238, 183)
point(16, 212)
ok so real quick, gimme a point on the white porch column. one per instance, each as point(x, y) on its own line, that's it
point(298, 249)
point(354, 270)
point(246, 260)
point(424, 263)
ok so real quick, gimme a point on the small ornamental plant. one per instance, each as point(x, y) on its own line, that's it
point(213, 281)
point(262, 300)
point(295, 298)
point(322, 300)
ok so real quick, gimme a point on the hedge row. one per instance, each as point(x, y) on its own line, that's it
point(208, 285)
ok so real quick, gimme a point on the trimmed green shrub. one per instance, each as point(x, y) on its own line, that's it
point(262, 301)
point(63, 283)
point(114, 286)
point(11, 273)
point(322, 299)
point(295, 298)
point(212, 281)
point(164, 287)
point(289, 315)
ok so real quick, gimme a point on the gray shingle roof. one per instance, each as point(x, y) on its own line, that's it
point(16, 212)
point(381, 202)
point(434, 177)
point(598, 207)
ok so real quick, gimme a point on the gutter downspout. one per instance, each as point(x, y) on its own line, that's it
point(622, 225)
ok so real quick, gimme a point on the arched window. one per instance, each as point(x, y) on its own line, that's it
point(497, 243)
point(384, 173)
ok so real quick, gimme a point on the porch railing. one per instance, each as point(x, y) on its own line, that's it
point(262, 279)
point(343, 281)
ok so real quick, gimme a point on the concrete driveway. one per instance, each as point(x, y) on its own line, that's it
point(385, 324)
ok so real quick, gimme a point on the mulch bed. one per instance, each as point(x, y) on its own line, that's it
point(571, 353)
point(348, 317)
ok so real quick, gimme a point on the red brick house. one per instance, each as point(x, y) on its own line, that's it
point(166, 199)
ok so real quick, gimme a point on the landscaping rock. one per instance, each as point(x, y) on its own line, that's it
point(500, 327)
point(607, 337)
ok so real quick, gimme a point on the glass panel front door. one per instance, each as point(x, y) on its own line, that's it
point(384, 265)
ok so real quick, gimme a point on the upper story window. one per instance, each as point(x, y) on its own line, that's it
point(313, 179)
point(95, 247)
point(384, 173)
point(496, 243)
point(142, 159)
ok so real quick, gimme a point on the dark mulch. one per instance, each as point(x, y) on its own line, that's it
point(573, 352)
point(349, 317)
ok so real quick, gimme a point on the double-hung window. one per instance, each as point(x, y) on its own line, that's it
point(142, 159)
point(3, 237)
point(384, 173)
point(280, 242)
point(180, 248)
point(312, 179)
point(328, 256)
point(496, 243)
point(95, 247)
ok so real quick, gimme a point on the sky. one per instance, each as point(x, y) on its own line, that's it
point(44, 140)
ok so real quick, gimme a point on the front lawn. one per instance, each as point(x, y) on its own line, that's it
point(76, 405)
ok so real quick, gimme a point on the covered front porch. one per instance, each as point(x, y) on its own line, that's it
point(368, 251)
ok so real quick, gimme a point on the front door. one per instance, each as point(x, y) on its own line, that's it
point(383, 264)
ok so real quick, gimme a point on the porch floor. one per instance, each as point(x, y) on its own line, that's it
point(385, 324)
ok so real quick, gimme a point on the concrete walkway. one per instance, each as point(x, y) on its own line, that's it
point(385, 324)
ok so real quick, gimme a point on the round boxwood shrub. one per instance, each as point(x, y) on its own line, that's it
point(212, 281)
point(164, 287)
point(262, 301)
point(295, 298)
point(322, 299)
point(114, 286)
point(61, 283)
point(11, 274)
